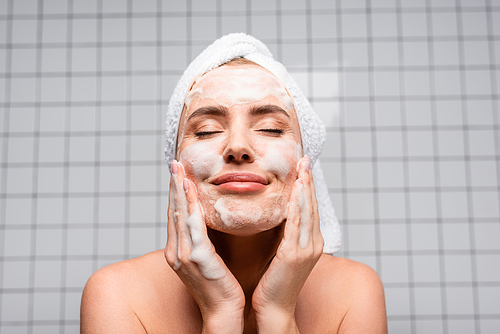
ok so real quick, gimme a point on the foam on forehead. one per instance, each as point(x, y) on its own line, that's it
point(231, 85)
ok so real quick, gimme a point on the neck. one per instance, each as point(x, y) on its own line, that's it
point(247, 257)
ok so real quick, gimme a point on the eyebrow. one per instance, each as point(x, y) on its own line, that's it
point(211, 110)
point(268, 109)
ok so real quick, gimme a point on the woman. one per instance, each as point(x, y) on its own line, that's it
point(244, 249)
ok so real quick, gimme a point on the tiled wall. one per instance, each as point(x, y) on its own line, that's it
point(409, 92)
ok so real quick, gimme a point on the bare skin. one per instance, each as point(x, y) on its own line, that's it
point(144, 295)
point(223, 270)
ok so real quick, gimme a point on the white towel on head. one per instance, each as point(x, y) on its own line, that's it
point(240, 45)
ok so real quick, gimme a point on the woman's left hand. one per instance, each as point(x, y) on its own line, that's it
point(276, 295)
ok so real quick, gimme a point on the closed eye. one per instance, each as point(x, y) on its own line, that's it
point(273, 131)
point(202, 134)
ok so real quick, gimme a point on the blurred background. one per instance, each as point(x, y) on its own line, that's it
point(408, 90)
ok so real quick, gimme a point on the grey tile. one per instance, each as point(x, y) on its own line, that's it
point(40, 309)
point(24, 31)
point(360, 206)
point(398, 303)
point(16, 275)
point(111, 210)
point(83, 59)
point(48, 274)
point(143, 29)
point(21, 119)
point(428, 301)
point(143, 88)
point(394, 269)
point(359, 174)
point(84, 30)
point(454, 205)
point(48, 242)
point(293, 26)
point(423, 205)
point(389, 144)
point(392, 206)
point(421, 173)
point(16, 243)
point(14, 307)
point(357, 114)
point(111, 241)
point(393, 236)
point(78, 272)
point(353, 25)
point(81, 210)
point(485, 204)
point(54, 7)
point(361, 237)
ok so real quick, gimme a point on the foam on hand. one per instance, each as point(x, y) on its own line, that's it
point(201, 250)
point(305, 219)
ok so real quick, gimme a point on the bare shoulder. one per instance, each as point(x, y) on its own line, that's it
point(352, 291)
point(348, 273)
point(123, 297)
point(126, 276)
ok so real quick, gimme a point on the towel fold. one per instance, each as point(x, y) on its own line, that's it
point(240, 45)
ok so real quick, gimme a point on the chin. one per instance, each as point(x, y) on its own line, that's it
point(245, 215)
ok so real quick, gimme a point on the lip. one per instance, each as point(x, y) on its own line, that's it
point(240, 182)
point(239, 177)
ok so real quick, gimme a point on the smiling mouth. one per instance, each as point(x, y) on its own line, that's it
point(240, 182)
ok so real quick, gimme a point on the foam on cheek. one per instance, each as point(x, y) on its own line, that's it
point(202, 159)
point(280, 156)
point(201, 251)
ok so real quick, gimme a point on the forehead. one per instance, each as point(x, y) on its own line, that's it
point(231, 85)
point(228, 76)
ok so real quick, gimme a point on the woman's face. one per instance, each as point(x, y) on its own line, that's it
point(239, 142)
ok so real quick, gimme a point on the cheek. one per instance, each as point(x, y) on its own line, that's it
point(202, 160)
point(280, 157)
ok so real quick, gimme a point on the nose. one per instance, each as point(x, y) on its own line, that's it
point(239, 149)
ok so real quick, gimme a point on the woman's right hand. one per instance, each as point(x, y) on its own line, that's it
point(191, 254)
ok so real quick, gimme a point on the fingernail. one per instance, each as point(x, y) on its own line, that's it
point(174, 169)
point(185, 184)
point(299, 180)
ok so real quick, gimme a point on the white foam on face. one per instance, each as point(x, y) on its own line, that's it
point(230, 86)
point(280, 156)
point(202, 159)
point(237, 212)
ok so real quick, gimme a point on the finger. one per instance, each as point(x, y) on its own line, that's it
point(307, 205)
point(292, 227)
point(180, 213)
point(195, 220)
point(171, 247)
point(316, 228)
point(203, 252)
